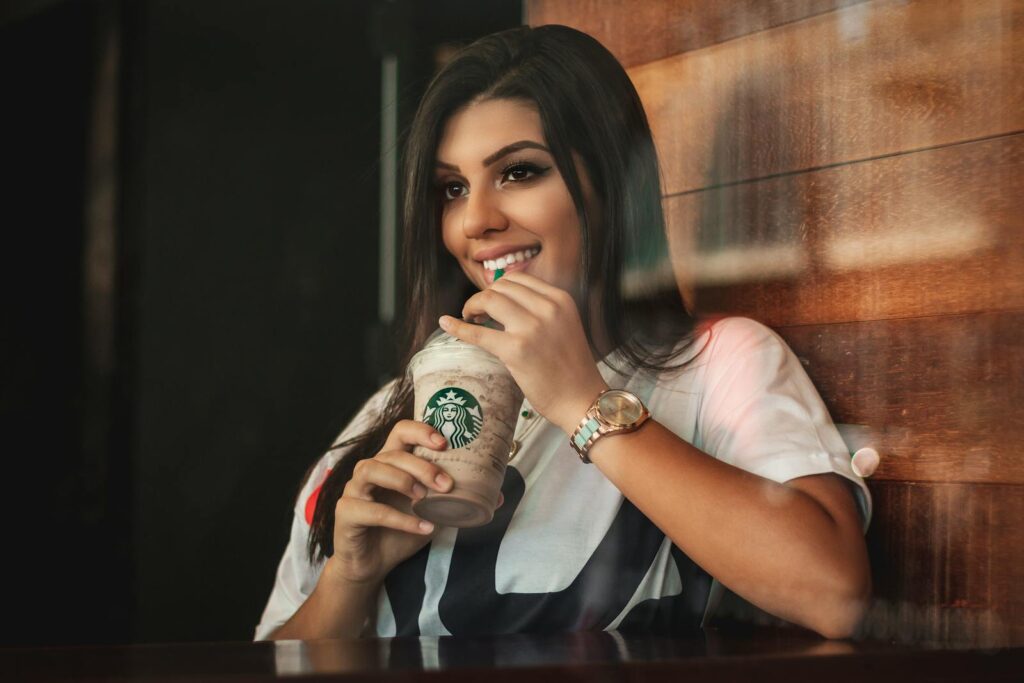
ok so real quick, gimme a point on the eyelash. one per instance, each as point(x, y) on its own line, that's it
point(533, 169)
point(530, 167)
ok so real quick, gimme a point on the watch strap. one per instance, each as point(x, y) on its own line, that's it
point(585, 435)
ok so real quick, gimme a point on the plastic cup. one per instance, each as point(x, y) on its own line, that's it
point(468, 396)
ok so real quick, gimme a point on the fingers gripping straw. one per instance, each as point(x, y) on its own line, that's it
point(468, 396)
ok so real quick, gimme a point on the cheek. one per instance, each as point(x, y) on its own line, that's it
point(565, 232)
point(450, 235)
point(550, 215)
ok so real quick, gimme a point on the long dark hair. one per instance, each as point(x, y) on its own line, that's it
point(587, 106)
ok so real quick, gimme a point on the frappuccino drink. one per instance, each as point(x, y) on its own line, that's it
point(468, 396)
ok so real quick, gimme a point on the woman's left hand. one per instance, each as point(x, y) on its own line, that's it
point(543, 344)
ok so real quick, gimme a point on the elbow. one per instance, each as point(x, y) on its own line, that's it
point(839, 627)
point(841, 616)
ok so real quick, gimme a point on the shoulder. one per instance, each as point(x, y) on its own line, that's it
point(363, 420)
point(735, 333)
point(366, 415)
point(743, 357)
point(321, 469)
point(723, 341)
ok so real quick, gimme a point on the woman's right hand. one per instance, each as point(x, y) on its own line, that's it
point(374, 528)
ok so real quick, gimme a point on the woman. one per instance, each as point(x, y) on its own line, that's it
point(531, 153)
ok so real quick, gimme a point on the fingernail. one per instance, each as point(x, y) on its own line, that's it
point(426, 526)
point(443, 480)
point(438, 439)
point(419, 490)
point(444, 321)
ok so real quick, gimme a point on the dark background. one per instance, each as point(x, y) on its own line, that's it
point(156, 426)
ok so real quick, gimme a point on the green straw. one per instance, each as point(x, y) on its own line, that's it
point(498, 273)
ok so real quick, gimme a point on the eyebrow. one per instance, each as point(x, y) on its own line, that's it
point(504, 151)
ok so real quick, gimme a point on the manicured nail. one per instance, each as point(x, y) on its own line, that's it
point(438, 439)
point(426, 526)
point(443, 480)
point(445, 322)
point(419, 490)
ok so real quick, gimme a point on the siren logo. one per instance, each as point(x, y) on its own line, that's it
point(456, 414)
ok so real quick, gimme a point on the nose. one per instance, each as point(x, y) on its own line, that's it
point(483, 214)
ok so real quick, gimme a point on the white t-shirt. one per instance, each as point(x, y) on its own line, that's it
point(566, 551)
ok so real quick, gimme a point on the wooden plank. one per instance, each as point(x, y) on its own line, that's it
point(872, 79)
point(948, 563)
point(928, 233)
point(641, 32)
point(939, 398)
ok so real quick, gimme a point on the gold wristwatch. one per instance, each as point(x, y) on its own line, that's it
point(615, 411)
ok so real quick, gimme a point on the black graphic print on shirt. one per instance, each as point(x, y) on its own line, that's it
point(405, 586)
point(470, 604)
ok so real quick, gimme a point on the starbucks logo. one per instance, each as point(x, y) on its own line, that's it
point(456, 414)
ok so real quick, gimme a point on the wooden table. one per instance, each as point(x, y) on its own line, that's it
point(764, 656)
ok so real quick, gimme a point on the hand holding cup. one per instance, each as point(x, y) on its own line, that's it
point(374, 528)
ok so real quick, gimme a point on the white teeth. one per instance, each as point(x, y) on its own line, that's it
point(508, 259)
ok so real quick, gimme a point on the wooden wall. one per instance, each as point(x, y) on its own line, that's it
point(852, 174)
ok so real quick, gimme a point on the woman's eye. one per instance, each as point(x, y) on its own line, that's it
point(520, 172)
point(453, 190)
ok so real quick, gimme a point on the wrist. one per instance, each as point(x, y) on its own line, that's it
point(576, 408)
point(335, 576)
point(337, 608)
point(614, 412)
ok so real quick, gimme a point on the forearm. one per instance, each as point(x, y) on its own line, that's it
point(772, 544)
point(335, 609)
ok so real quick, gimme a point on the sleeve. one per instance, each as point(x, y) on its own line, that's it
point(760, 412)
point(296, 576)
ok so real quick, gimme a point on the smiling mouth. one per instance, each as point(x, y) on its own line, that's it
point(511, 259)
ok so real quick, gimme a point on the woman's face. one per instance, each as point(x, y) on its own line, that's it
point(505, 203)
point(448, 412)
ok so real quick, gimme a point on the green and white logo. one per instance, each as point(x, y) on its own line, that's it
point(456, 414)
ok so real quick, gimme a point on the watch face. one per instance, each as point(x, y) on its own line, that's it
point(620, 408)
